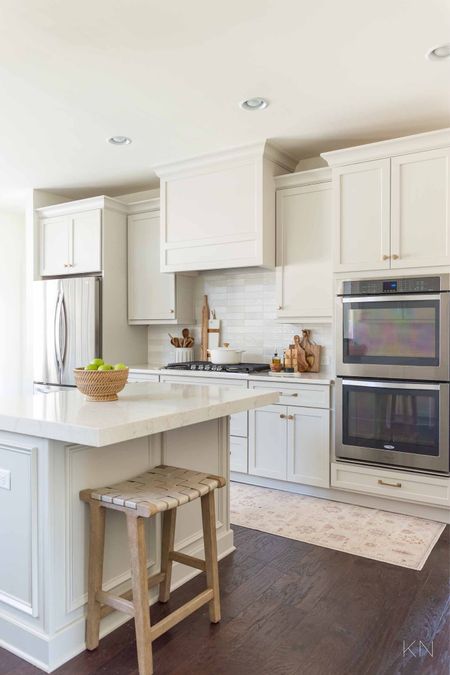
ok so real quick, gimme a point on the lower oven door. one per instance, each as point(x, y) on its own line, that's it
point(402, 424)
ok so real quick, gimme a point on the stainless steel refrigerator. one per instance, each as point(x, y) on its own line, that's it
point(67, 329)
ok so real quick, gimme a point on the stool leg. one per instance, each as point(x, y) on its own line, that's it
point(96, 552)
point(167, 544)
point(139, 584)
point(210, 541)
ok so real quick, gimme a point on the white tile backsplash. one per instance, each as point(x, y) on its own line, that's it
point(245, 302)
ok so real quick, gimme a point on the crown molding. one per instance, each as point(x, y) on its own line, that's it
point(144, 205)
point(309, 177)
point(80, 205)
point(254, 151)
point(430, 140)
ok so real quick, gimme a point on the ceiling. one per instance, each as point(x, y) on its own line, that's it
point(171, 74)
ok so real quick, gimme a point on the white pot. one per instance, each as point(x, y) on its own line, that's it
point(225, 355)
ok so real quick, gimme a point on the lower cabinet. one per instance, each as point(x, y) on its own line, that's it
point(238, 454)
point(290, 443)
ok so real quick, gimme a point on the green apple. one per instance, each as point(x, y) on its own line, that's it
point(96, 362)
point(91, 366)
point(120, 366)
point(105, 366)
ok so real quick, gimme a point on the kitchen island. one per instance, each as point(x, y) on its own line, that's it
point(54, 445)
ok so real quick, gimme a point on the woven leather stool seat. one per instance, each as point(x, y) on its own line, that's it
point(159, 489)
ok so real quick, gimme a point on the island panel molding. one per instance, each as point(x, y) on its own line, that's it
point(19, 559)
point(117, 462)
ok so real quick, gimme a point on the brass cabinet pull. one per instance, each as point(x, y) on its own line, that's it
point(290, 417)
point(383, 482)
point(395, 257)
point(386, 257)
point(283, 393)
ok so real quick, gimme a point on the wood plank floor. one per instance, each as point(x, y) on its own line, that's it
point(291, 608)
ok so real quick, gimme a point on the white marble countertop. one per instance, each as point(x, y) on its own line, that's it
point(143, 409)
point(324, 377)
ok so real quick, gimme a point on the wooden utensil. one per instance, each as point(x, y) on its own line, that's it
point(205, 319)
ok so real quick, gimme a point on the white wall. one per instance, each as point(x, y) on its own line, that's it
point(244, 300)
point(12, 301)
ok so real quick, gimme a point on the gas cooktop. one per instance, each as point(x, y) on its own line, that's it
point(207, 366)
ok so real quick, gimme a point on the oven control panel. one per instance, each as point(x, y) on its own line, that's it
point(391, 286)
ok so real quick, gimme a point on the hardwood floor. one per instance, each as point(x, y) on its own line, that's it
point(291, 608)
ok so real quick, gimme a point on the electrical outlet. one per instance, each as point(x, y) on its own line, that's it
point(5, 479)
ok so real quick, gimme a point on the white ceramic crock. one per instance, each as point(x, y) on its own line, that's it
point(225, 355)
point(183, 354)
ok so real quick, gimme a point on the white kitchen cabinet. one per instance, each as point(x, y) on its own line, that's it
point(308, 456)
point(71, 243)
point(304, 246)
point(153, 297)
point(238, 454)
point(420, 209)
point(291, 442)
point(268, 442)
point(392, 210)
point(361, 212)
point(218, 211)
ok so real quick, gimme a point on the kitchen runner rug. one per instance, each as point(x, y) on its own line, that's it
point(406, 541)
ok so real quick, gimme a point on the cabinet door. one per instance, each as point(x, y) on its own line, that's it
point(238, 454)
point(85, 242)
point(268, 442)
point(361, 210)
point(309, 446)
point(304, 252)
point(151, 294)
point(55, 255)
point(420, 217)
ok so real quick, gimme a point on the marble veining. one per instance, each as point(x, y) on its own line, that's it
point(142, 409)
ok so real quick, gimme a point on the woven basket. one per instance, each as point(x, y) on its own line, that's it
point(100, 385)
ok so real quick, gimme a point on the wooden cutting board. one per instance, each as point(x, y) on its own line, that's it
point(205, 321)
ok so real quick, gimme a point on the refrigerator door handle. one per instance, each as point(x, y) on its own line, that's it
point(57, 333)
point(63, 323)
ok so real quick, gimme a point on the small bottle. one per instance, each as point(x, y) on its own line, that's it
point(275, 366)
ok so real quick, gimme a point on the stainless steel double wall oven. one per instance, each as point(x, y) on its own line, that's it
point(393, 366)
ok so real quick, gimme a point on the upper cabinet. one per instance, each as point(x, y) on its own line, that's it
point(218, 211)
point(392, 210)
point(361, 209)
point(71, 244)
point(153, 297)
point(420, 209)
point(304, 246)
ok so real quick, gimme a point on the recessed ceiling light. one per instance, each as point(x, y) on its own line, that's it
point(256, 103)
point(119, 140)
point(439, 53)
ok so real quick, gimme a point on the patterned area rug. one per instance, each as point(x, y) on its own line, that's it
point(388, 537)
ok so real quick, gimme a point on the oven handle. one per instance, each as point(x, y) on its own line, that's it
point(389, 298)
point(391, 385)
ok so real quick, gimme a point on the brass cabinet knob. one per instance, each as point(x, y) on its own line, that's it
point(386, 257)
point(280, 307)
point(283, 417)
point(395, 257)
point(172, 311)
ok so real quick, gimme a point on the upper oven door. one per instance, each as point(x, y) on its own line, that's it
point(401, 336)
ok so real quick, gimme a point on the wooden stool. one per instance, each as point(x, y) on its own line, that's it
point(162, 489)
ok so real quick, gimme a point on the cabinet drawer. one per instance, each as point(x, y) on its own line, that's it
point(200, 380)
point(142, 377)
point(310, 396)
point(432, 490)
point(238, 454)
point(239, 424)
